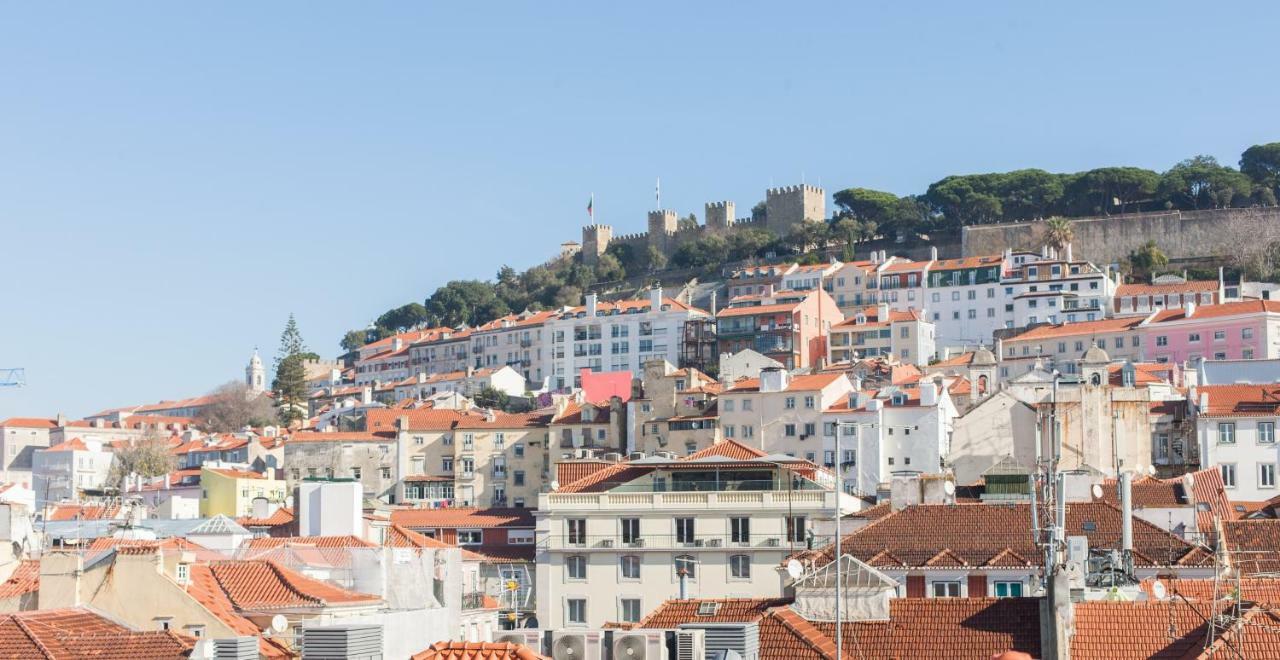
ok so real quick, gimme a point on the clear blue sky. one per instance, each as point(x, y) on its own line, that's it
point(176, 178)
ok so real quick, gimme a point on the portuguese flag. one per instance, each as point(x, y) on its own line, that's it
point(591, 203)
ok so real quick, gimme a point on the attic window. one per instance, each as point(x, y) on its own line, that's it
point(708, 609)
point(1089, 526)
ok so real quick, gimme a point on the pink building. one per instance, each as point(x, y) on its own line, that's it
point(1245, 330)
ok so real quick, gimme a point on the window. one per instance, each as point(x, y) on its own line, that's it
point(1266, 433)
point(946, 589)
point(386, 473)
point(740, 567)
point(576, 610)
point(1195, 336)
point(684, 530)
point(520, 537)
point(446, 463)
point(470, 537)
point(1162, 340)
point(1227, 433)
point(519, 450)
point(630, 610)
point(355, 473)
point(795, 528)
point(1228, 474)
point(789, 430)
point(809, 431)
point(183, 573)
point(499, 440)
point(519, 477)
point(195, 630)
point(1219, 335)
point(790, 403)
point(1008, 589)
point(808, 402)
point(1266, 475)
point(728, 405)
point(630, 567)
point(577, 531)
point(687, 564)
point(630, 530)
point(576, 565)
point(740, 530)
point(746, 404)
point(1246, 333)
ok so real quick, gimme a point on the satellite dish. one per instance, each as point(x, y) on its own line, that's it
point(279, 623)
point(1158, 590)
point(1188, 481)
point(1151, 470)
point(949, 487)
point(795, 569)
point(1097, 491)
point(555, 485)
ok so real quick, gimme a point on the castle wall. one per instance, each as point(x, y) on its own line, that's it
point(789, 206)
point(1107, 240)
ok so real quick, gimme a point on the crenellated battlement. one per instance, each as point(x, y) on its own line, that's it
point(789, 190)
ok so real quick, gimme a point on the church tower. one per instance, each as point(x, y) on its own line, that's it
point(255, 377)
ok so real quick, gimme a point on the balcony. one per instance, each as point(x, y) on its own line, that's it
point(619, 500)
point(473, 600)
point(668, 542)
point(526, 342)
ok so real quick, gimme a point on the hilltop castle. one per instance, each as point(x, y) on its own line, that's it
point(785, 208)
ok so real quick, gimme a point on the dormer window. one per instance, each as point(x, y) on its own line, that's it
point(899, 399)
point(860, 319)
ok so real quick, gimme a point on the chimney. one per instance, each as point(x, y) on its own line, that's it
point(933, 253)
point(166, 481)
point(62, 420)
point(928, 394)
point(1008, 254)
point(366, 395)
point(591, 304)
point(402, 423)
point(655, 298)
point(422, 377)
point(1204, 403)
point(1068, 249)
point(1188, 309)
point(882, 312)
point(875, 257)
point(684, 583)
point(773, 379)
point(1126, 512)
point(335, 376)
point(397, 344)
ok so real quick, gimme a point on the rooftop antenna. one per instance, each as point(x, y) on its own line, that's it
point(14, 377)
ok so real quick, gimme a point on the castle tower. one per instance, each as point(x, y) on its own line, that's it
point(255, 377)
point(719, 216)
point(662, 227)
point(595, 240)
point(789, 206)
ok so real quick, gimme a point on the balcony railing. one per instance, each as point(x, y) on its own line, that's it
point(668, 542)
point(473, 600)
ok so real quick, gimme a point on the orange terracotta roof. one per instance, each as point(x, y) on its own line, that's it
point(1193, 286)
point(727, 448)
point(31, 422)
point(1219, 311)
point(68, 633)
point(1107, 630)
point(233, 473)
point(398, 536)
point(204, 588)
point(808, 382)
point(464, 518)
point(1241, 400)
point(1254, 544)
point(1102, 326)
point(25, 579)
point(74, 444)
point(477, 651)
point(871, 317)
point(568, 472)
point(750, 310)
point(346, 436)
point(1264, 591)
point(278, 518)
point(265, 585)
point(975, 534)
point(967, 262)
point(84, 512)
point(961, 360)
point(173, 543)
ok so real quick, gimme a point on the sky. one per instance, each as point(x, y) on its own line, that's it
point(177, 178)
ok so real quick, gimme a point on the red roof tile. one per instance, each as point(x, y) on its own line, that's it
point(1196, 286)
point(461, 518)
point(727, 448)
point(1218, 311)
point(279, 518)
point(264, 585)
point(24, 580)
point(204, 587)
point(477, 651)
point(348, 436)
point(803, 383)
point(1241, 400)
point(31, 422)
point(84, 512)
point(1253, 544)
point(1103, 326)
point(81, 633)
point(1107, 630)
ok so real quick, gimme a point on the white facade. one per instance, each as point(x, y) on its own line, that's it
point(619, 336)
point(900, 430)
point(1041, 289)
point(60, 474)
point(731, 542)
point(1244, 449)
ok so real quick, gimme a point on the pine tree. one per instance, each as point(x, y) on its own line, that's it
point(290, 384)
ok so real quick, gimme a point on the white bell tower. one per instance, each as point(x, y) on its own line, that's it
point(255, 377)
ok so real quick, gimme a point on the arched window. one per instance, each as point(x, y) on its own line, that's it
point(688, 564)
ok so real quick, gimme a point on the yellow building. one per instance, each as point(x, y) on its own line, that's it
point(231, 491)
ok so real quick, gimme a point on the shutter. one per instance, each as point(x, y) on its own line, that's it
point(915, 586)
point(977, 585)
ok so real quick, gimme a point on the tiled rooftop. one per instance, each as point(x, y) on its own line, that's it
point(477, 651)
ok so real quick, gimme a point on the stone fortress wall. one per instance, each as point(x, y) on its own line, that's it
point(785, 208)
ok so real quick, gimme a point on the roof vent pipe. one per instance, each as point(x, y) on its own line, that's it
point(1126, 511)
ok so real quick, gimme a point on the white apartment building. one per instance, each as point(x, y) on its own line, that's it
point(448, 352)
point(1046, 289)
point(619, 336)
point(878, 331)
point(467, 382)
point(20, 437)
point(515, 340)
point(779, 413)
point(61, 472)
point(892, 431)
point(1236, 430)
point(615, 544)
point(963, 297)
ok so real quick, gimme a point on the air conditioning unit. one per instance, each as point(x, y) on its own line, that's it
point(697, 543)
point(606, 543)
point(772, 542)
point(640, 645)
point(715, 543)
point(691, 645)
point(577, 645)
point(350, 641)
point(637, 543)
point(635, 455)
point(530, 638)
